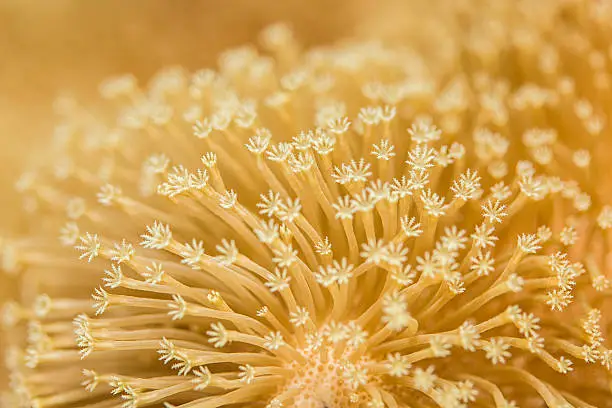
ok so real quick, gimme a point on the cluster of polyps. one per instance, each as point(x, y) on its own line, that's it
point(361, 256)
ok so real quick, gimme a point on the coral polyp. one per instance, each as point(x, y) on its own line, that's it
point(346, 226)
